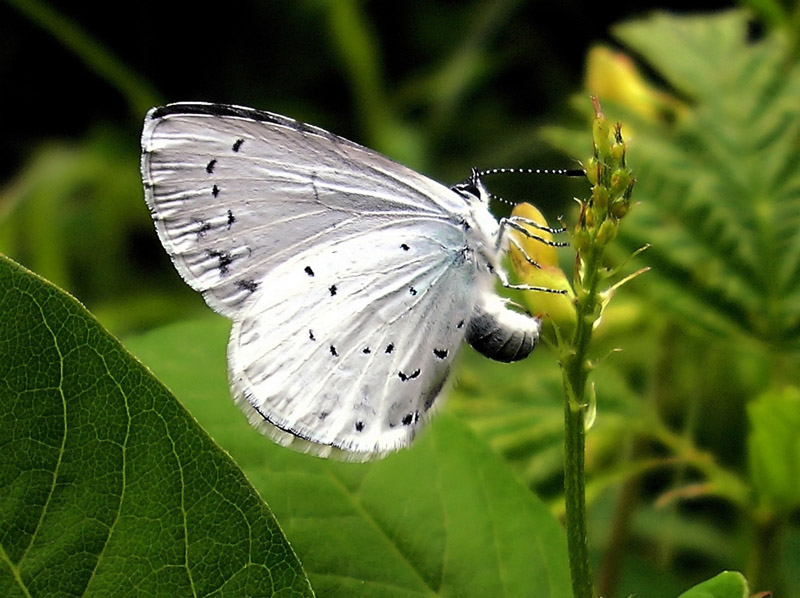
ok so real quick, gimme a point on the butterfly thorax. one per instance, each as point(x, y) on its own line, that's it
point(481, 227)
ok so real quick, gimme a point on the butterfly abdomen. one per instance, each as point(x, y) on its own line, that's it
point(500, 333)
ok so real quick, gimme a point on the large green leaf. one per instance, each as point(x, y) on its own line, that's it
point(719, 184)
point(443, 518)
point(107, 486)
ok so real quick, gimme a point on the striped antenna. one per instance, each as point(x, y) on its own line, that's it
point(494, 197)
point(571, 172)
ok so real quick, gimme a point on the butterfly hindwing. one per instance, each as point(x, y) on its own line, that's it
point(358, 358)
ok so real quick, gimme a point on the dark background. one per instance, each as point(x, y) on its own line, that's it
point(279, 56)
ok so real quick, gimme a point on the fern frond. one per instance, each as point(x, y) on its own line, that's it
point(719, 183)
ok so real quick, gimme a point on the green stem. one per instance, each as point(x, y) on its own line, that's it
point(576, 369)
point(575, 501)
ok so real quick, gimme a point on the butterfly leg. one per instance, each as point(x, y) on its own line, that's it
point(516, 223)
point(523, 287)
point(524, 253)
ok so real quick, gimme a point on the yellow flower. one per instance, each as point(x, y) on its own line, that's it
point(614, 77)
point(556, 309)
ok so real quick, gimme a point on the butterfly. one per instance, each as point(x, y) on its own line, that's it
point(351, 280)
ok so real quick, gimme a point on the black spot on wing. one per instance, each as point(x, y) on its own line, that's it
point(404, 247)
point(366, 351)
point(332, 289)
point(412, 291)
point(460, 324)
point(231, 219)
point(359, 426)
point(225, 260)
point(390, 347)
point(247, 285)
point(237, 145)
point(210, 166)
point(334, 352)
point(311, 335)
point(406, 377)
point(308, 271)
point(214, 190)
point(440, 353)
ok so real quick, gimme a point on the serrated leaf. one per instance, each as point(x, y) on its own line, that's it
point(107, 486)
point(443, 518)
point(718, 188)
point(728, 584)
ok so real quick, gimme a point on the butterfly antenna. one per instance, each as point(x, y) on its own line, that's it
point(508, 202)
point(570, 172)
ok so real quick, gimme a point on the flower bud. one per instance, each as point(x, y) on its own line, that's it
point(619, 181)
point(620, 208)
point(581, 239)
point(618, 153)
point(607, 231)
point(600, 132)
point(600, 199)
point(590, 219)
point(591, 170)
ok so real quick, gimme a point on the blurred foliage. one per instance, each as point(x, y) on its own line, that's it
point(74, 215)
point(693, 456)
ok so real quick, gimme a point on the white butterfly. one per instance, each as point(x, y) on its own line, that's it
point(351, 280)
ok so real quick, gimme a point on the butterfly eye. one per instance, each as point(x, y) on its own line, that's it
point(472, 189)
point(467, 189)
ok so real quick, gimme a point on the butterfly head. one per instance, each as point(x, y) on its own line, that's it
point(473, 189)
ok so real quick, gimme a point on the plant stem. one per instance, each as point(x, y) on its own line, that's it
point(576, 369)
point(598, 220)
point(575, 501)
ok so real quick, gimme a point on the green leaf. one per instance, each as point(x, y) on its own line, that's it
point(774, 449)
point(728, 584)
point(107, 486)
point(443, 518)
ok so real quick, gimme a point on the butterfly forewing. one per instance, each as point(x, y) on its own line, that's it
point(235, 194)
point(347, 275)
